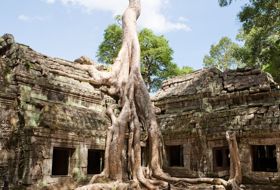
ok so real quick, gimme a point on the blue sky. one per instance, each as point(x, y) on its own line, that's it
point(71, 28)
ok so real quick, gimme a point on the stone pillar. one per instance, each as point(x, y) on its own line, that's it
point(83, 158)
point(278, 156)
point(187, 156)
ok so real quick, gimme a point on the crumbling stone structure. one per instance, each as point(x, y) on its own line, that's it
point(196, 110)
point(51, 125)
point(53, 122)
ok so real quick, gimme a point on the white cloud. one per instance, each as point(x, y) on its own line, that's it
point(50, 1)
point(26, 18)
point(114, 6)
point(151, 17)
point(183, 19)
point(23, 18)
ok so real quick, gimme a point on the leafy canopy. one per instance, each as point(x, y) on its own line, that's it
point(156, 55)
point(260, 34)
point(222, 55)
point(111, 44)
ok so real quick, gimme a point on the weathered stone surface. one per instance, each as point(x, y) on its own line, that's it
point(48, 102)
point(45, 103)
point(196, 110)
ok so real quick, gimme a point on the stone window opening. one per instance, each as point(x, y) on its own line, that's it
point(61, 161)
point(175, 156)
point(144, 156)
point(95, 161)
point(264, 158)
point(221, 159)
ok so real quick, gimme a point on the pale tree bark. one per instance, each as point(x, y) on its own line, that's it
point(235, 177)
point(123, 152)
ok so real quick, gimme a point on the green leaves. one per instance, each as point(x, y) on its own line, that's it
point(109, 48)
point(224, 3)
point(156, 55)
point(260, 34)
point(223, 55)
point(156, 59)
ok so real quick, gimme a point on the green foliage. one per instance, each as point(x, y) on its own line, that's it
point(223, 55)
point(184, 70)
point(260, 33)
point(224, 3)
point(109, 48)
point(156, 59)
point(156, 55)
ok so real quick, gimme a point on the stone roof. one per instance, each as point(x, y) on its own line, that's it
point(50, 92)
point(243, 100)
point(212, 82)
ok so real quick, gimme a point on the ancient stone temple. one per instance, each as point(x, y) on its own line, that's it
point(52, 125)
point(196, 110)
point(53, 122)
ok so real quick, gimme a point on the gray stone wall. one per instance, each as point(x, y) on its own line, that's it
point(196, 110)
point(45, 103)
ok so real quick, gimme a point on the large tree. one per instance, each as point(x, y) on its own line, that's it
point(123, 149)
point(260, 33)
point(110, 46)
point(156, 55)
point(223, 55)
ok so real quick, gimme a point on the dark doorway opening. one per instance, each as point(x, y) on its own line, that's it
point(175, 155)
point(264, 158)
point(60, 160)
point(144, 156)
point(95, 161)
point(221, 160)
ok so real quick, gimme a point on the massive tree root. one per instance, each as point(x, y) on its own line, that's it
point(123, 150)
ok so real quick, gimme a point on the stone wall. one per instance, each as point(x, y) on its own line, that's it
point(48, 103)
point(196, 110)
point(45, 103)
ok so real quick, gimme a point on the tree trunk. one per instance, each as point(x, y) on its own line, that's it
point(235, 177)
point(123, 150)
